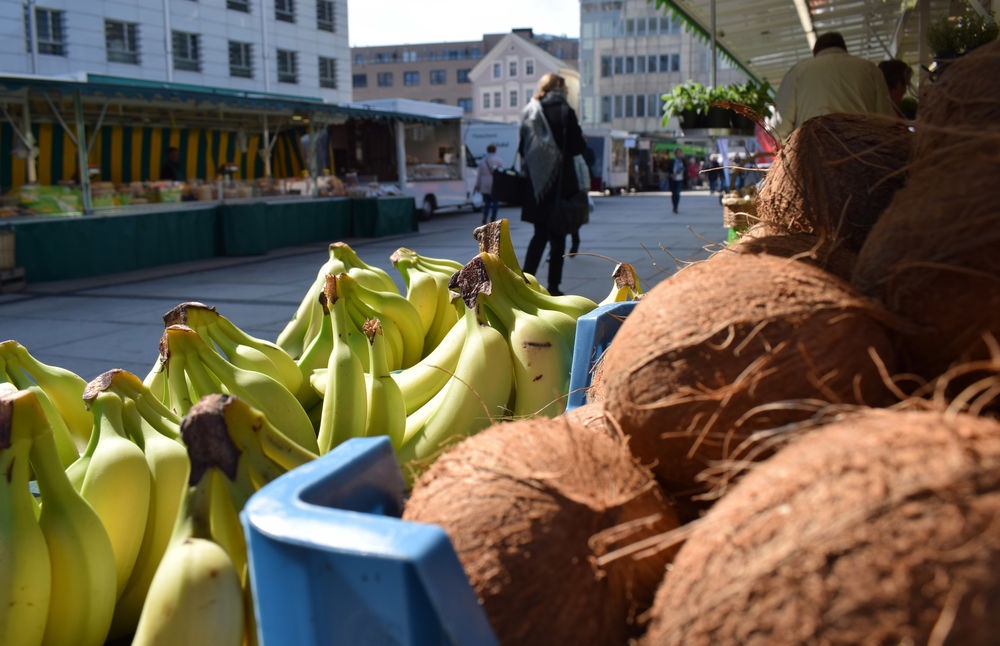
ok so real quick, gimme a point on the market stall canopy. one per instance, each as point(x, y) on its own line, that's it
point(766, 37)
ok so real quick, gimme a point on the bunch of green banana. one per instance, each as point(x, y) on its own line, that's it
point(401, 324)
point(195, 369)
point(426, 281)
point(625, 285)
point(112, 475)
point(344, 408)
point(241, 349)
point(306, 321)
point(63, 394)
point(25, 569)
point(494, 238)
point(83, 568)
point(473, 398)
point(386, 410)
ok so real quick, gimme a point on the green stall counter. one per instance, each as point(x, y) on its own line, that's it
point(253, 228)
point(376, 217)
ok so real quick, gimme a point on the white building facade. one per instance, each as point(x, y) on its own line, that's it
point(296, 48)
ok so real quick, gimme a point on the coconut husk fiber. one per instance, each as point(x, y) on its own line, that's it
point(933, 258)
point(805, 247)
point(962, 105)
point(835, 175)
point(591, 417)
point(542, 515)
point(881, 527)
point(736, 344)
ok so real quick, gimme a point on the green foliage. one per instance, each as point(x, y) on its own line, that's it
point(957, 35)
point(689, 95)
point(693, 96)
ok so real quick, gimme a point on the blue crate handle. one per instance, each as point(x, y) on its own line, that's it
point(594, 332)
point(331, 562)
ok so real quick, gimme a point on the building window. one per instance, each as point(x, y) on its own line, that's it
point(121, 41)
point(186, 51)
point(284, 10)
point(675, 62)
point(619, 111)
point(605, 109)
point(512, 69)
point(288, 66)
point(529, 67)
point(240, 59)
point(496, 99)
point(438, 77)
point(497, 70)
point(359, 80)
point(49, 28)
point(640, 105)
point(629, 65)
point(462, 76)
point(486, 100)
point(325, 20)
point(465, 104)
point(238, 5)
point(328, 72)
point(385, 79)
point(629, 106)
point(619, 65)
point(640, 64)
point(605, 66)
point(640, 27)
point(411, 78)
point(513, 99)
point(652, 64)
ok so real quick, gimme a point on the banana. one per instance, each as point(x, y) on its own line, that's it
point(315, 356)
point(68, 444)
point(344, 411)
point(386, 410)
point(474, 397)
point(63, 387)
point(169, 469)
point(370, 276)
point(421, 381)
point(625, 285)
point(241, 349)
point(495, 238)
point(391, 307)
point(25, 569)
point(427, 290)
point(82, 558)
point(295, 335)
point(116, 481)
point(156, 379)
point(205, 366)
point(357, 313)
point(421, 288)
point(244, 420)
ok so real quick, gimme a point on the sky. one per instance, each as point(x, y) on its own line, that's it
point(398, 22)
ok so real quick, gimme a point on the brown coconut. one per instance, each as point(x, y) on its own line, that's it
point(591, 417)
point(835, 175)
point(881, 527)
point(801, 246)
point(542, 514)
point(736, 344)
point(933, 260)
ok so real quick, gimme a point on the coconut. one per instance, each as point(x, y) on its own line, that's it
point(835, 175)
point(547, 519)
point(880, 527)
point(805, 247)
point(736, 344)
point(591, 417)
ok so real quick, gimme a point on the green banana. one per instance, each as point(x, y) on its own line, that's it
point(116, 479)
point(421, 381)
point(427, 289)
point(80, 551)
point(25, 569)
point(474, 397)
point(244, 421)
point(386, 410)
point(625, 285)
point(69, 445)
point(315, 356)
point(370, 276)
point(344, 409)
point(391, 307)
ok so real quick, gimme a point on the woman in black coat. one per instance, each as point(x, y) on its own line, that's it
point(550, 137)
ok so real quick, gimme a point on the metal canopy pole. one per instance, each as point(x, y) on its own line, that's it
point(714, 70)
point(81, 154)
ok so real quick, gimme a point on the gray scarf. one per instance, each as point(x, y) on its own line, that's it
point(542, 157)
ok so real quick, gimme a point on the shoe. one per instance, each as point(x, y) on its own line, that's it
point(554, 291)
point(573, 251)
point(675, 210)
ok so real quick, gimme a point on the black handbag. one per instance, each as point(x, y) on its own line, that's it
point(570, 214)
point(510, 187)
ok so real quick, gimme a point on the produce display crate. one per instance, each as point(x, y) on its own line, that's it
point(331, 562)
point(594, 332)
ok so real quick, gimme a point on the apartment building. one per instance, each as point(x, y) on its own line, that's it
point(439, 72)
point(295, 48)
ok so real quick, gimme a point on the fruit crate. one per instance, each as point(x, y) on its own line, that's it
point(594, 332)
point(331, 562)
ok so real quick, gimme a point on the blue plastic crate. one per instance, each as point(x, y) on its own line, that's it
point(331, 562)
point(594, 332)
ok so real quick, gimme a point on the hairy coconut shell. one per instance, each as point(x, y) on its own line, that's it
point(591, 417)
point(835, 175)
point(535, 510)
point(881, 527)
point(732, 345)
point(805, 247)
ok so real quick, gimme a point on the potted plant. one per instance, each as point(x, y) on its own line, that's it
point(953, 36)
point(750, 102)
point(688, 101)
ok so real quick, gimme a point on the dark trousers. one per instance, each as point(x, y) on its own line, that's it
point(536, 247)
point(675, 193)
point(491, 206)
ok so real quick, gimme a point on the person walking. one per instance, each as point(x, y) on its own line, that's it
point(549, 138)
point(676, 177)
point(484, 183)
point(831, 81)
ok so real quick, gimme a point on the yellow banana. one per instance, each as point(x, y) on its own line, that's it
point(421, 288)
point(391, 307)
point(156, 380)
point(295, 335)
point(475, 396)
point(25, 569)
point(242, 418)
point(315, 357)
point(386, 410)
point(625, 285)
point(116, 481)
point(345, 401)
point(64, 387)
point(82, 558)
point(68, 444)
point(357, 313)
point(370, 276)
point(421, 381)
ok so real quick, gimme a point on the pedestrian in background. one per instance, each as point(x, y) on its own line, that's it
point(897, 76)
point(550, 137)
point(678, 172)
point(484, 183)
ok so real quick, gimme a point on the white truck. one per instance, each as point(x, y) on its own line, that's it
point(612, 149)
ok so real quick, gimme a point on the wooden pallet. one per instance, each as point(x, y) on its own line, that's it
point(12, 280)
